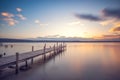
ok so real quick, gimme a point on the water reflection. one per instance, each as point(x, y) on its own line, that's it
point(80, 61)
point(95, 61)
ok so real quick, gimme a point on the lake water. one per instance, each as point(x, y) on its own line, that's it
point(80, 61)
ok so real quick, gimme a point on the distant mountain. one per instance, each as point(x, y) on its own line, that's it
point(14, 40)
point(73, 39)
point(69, 39)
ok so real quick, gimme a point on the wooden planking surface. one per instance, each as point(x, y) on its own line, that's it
point(10, 60)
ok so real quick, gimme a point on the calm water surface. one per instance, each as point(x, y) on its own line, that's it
point(81, 61)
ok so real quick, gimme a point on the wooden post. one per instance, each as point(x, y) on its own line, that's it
point(57, 48)
point(17, 62)
point(54, 52)
point(32, 61)
point(32, 48)
point(44, 52)
point(26, 64)
point(61, 47)
point(4, 53)
point(50, 52)
point(54, 49)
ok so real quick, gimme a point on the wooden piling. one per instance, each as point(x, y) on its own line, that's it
point(4, 53)
point(44, 52)
point(54, 49)
point(61, 47)
point(17, 62)
point(32, 48)
point(32, 61)
point(50, 52)
point(26, 64)
point(57, 48)
point(32, 51)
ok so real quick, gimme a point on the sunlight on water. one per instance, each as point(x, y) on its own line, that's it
point(80, 61)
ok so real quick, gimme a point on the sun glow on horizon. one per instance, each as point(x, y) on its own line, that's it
point(60, 17)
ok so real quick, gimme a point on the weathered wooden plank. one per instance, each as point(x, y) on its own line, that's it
point(10, 60)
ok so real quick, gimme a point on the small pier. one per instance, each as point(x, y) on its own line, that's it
point(24, 57)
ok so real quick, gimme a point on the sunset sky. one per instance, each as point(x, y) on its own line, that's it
point(60, 18)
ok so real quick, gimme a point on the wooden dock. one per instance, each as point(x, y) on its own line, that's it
point(18, 58)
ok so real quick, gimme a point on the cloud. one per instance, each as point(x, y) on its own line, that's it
point(112, 36)
point(117, 23)
point(75, 23)
point(19, 9)
point(37, 21)
point(41, 24)
point(105, 15)
point(112, 18)
point(6, 14)
point(107, 22)
point(9, 18)
point(114, 13)
point(115, 29)
point(21, 17)
point(108, 36)
point(88, 17)
point(52, 36)
point(10, 21)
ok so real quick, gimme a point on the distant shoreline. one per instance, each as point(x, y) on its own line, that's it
point(5, 40)
point(59, 41)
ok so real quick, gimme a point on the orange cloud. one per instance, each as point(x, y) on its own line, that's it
point(6, 14)
point(110, 36)
point(115, 29)
point(10, 21)
point(9, 18)
point(107, 22)
point(117, 23)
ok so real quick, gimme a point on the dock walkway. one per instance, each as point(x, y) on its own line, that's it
point(18, 58)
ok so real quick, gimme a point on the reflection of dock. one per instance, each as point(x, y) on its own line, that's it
point(46, 53)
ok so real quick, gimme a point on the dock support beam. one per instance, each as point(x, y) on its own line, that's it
point(32, 51)
point(44, 52)
point(61, 47)
point(57, 48)
point(50, 52)
point(32, 61)
point(32, 48)
point(17, 62)
point(54, 49)
point(26, 64)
